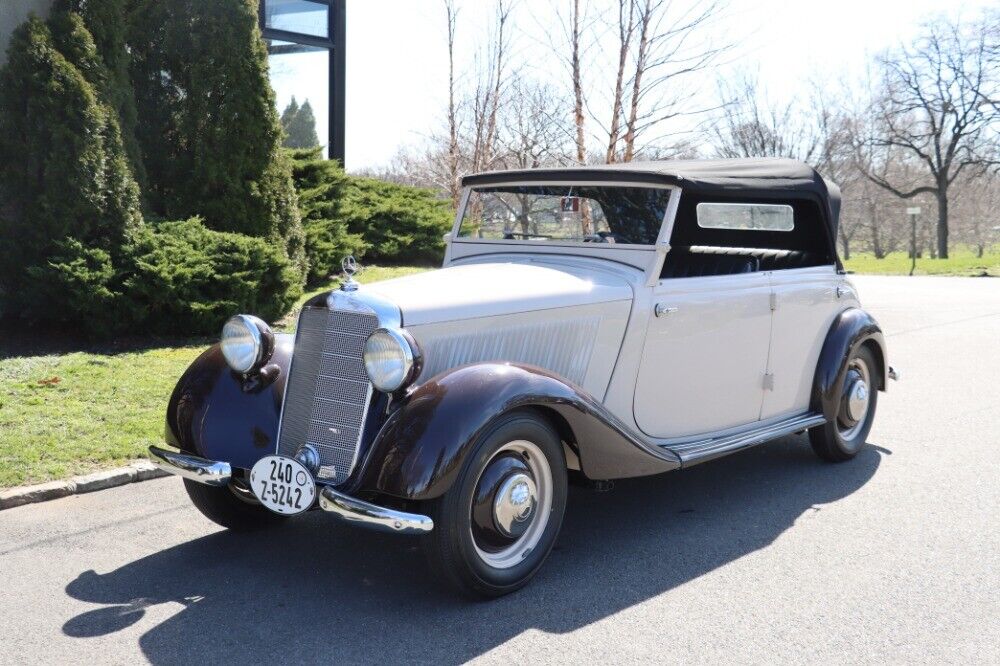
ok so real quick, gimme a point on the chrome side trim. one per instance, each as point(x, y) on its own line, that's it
point(208, 472)
point(691, 453)
point(353, 510)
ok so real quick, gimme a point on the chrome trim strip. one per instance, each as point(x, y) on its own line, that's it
point(353, 510)
point(702, 450)
point(208, 472)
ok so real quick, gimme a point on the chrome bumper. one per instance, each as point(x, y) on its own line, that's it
point(353, 510)
point(209, 472)
point(348, 509)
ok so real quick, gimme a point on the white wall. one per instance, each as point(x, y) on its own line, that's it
point(13, 13)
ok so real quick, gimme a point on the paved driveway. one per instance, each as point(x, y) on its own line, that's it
point(764, 556)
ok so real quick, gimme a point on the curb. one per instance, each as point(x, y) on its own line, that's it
point(142, 470)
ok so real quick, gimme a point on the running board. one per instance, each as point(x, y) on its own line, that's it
point(691, 453)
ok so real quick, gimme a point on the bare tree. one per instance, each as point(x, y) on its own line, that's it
point(454, 190)
point(665, 44)
point(934, 111)
point(577, 78)
point(977, 202)
point(626, 27)
point(752, 126)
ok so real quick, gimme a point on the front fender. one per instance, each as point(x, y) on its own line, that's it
point(419, 452)
point(852, 328)
point(215, 413)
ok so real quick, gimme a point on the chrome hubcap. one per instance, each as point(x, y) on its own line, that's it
point(511, 504)
point(855, 399)
point(514, 505)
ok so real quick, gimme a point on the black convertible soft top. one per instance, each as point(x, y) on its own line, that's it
point(766, 177)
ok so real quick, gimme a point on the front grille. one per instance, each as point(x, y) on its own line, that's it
point(328, 392)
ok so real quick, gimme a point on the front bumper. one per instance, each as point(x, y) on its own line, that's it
point(347, 508)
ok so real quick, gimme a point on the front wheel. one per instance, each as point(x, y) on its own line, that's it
point(842, 438)
point(496, 525)
point(223, 507)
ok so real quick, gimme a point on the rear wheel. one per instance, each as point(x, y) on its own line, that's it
point(222, 506)
point(842, 438)
point(496, 525)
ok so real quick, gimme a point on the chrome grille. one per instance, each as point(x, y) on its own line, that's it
point(328, 392)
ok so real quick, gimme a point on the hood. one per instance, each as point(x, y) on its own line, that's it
point(492, 289)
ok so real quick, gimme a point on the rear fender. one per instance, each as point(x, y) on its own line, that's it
point(851, 329)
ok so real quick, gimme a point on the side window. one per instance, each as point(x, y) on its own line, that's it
point(745, 216)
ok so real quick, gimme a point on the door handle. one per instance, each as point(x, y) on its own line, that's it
point(663, 309)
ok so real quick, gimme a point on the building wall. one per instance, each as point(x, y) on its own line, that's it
point(13, 13)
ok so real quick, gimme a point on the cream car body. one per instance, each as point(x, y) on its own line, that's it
point(602, 322)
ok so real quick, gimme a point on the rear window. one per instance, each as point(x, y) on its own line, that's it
point(745, 216)
point(564, 213)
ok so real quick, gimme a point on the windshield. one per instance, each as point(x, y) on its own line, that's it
point(547, 213)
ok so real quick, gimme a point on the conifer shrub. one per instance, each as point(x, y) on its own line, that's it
point(400, 224)
point(321, 184)
point(188, 279)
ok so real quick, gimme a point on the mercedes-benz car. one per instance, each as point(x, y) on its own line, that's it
point(588, 324)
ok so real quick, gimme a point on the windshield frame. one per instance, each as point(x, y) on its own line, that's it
point(663, 236)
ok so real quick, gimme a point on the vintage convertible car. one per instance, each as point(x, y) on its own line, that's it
point(588, 324)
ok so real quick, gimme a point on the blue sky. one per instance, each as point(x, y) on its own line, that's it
point(397, 58)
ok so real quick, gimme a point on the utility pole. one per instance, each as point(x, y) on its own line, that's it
point(913, 211)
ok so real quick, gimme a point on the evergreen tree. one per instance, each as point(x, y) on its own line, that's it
point(299, 123)
point(69, 206)
point(210, 134)
point(288, 115)
point(107, 21)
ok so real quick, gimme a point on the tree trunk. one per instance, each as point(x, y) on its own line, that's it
point(578, 118)
point(845, 244)
point(454, 185)
point(876, 237)
point(942, 224)
point(980, 248)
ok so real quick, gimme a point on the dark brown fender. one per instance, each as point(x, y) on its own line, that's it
point(419, 451)
point(217, 414)
point(852, 328)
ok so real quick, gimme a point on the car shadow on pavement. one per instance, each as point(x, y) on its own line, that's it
point(318, 590)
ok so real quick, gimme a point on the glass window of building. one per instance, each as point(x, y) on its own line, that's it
point(305, 44)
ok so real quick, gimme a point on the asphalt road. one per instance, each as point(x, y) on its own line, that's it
point(766, 556)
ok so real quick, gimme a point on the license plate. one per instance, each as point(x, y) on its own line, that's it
point(283, 485)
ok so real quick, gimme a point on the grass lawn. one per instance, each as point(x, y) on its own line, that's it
point(69, 413)
point(960, 262)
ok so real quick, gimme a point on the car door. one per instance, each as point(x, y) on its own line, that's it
point(704, 356)
point(806, 300)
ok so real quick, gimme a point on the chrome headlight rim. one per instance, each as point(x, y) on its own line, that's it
point(261, 339)
point(409, 357)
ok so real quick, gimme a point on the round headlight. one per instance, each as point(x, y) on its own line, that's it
point(389, 359)
point(247, 343)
